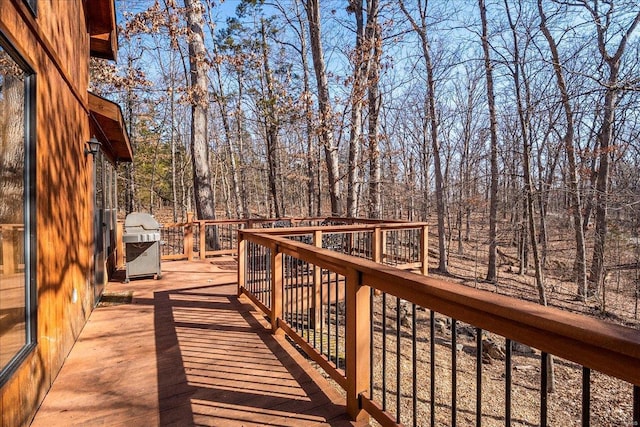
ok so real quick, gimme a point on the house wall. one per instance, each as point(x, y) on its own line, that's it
point(56, 45)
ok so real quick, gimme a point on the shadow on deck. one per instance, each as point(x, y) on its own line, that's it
point(186, 351)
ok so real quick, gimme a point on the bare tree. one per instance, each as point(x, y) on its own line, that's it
point(12, 141)
point(420, 29)
point(524, 120)
point(612, 88)
point(325, 130)
point(572, 175)
point(271, 123)
point(493, 132)
point(199, 90)
point(375, 165)
point(361, 64)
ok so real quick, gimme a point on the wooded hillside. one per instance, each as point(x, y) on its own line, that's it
point(518, 116)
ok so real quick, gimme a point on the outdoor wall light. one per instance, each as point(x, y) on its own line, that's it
point(93, 147)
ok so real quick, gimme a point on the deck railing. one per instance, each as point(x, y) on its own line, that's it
point(414, 350)
point(206, 238)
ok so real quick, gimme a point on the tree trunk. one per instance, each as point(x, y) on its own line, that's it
point(174, 183)
point(375, 166)
point(312, 8)
point(492, 274)
point(311, 147)
point(605, 137)
point(228, 139)
point(244, 194)
point(360, 71)
point(580, 266)
point(271, 125)
point(199, 91)
point(432, 116)
point(12, 154)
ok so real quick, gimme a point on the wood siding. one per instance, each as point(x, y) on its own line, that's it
point(56, 45)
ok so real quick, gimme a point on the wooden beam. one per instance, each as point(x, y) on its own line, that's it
point(101, 24)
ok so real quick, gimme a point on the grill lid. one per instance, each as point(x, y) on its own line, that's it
point(140, 220)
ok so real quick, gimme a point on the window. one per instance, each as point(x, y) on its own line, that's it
point(33, 5)
point(17, 210)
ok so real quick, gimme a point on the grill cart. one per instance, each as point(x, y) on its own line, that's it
point(141, 238)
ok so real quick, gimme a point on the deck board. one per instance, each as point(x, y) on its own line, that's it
point(186, 352)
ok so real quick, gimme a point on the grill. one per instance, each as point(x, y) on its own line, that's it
point(141, 238)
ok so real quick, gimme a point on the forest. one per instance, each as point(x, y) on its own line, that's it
point(511, 126)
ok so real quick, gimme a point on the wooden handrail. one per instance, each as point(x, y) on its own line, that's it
point(356, 225)
point(605, 347)
point(337, 228)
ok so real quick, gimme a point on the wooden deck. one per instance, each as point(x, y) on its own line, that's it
point(187, 352)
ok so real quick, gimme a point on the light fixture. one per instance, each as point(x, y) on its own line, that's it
point(93, 147)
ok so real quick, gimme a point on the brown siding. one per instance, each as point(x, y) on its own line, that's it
point(56, 45)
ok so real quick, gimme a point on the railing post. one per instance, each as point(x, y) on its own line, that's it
point(203, 239)
point(119, 245)
point(358, 341)
point(376, 245)
point(424, 250)
point(316, 304)
point(8, 259)
point(188, 237)
point(276, 289)
point(242, 261)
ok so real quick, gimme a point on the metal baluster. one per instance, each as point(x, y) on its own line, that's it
point(297, 287)
point(309, 288)
point(398, 373)
point(507, 380)
point(384, 351)
point(329, 316)
point(432, 361)
point(371, 330)
point(414, 359)
point(454, 372)
point(478, 377)
point(636, 405)
point(320, 311)
point(286, 284)
point(267, 283)
point(344, 325)
point(337, 324)
point(544, 379)
point(586, 396)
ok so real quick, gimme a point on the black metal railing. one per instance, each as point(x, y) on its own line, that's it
point(259, 274)
point(440, 353)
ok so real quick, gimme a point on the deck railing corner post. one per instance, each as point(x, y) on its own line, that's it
point(188, 237)
point(276, 289)
point(377, 245)
point(424, 250)
point(358, 342)
point(202, 228)
point(119, 245)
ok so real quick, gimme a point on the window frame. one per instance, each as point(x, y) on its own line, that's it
point(30, 240)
